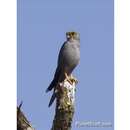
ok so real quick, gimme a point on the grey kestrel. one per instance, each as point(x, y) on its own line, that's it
point(68, 59)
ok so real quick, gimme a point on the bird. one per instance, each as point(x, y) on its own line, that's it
point(68, 59)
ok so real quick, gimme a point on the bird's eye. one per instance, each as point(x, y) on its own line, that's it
point(68, 36)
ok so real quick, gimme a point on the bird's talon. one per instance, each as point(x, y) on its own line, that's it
point(74, 80)
point(70, 81)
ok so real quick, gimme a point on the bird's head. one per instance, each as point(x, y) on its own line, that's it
point(72, 36)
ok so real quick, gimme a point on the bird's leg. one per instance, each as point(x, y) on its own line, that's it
point(71, 79)
point(68, 78)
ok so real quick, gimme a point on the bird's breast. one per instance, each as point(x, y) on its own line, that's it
point(72, 55)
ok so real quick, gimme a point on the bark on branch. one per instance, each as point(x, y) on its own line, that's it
point(64, 105)
point(22, 122)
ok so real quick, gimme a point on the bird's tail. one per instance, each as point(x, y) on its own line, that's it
point(52, 99)
point(55, 80)
point(51, 86)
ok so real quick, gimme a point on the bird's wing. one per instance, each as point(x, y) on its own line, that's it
point(58, 69)
point(52, 99)
point(55, 80)
point(61, 54)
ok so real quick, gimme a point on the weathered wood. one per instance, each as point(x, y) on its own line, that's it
point(22, 122)
point(64, 105)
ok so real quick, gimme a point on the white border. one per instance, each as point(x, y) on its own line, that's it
point(122, 64)
point(7, 64)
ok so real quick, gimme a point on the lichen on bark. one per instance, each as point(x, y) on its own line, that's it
point(64, 105)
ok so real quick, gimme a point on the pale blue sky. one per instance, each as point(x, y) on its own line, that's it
point(41, 32)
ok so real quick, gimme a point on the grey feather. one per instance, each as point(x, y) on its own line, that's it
point(68, 59)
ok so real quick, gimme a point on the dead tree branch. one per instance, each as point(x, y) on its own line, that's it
point(64, 105)
point(22, 122)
